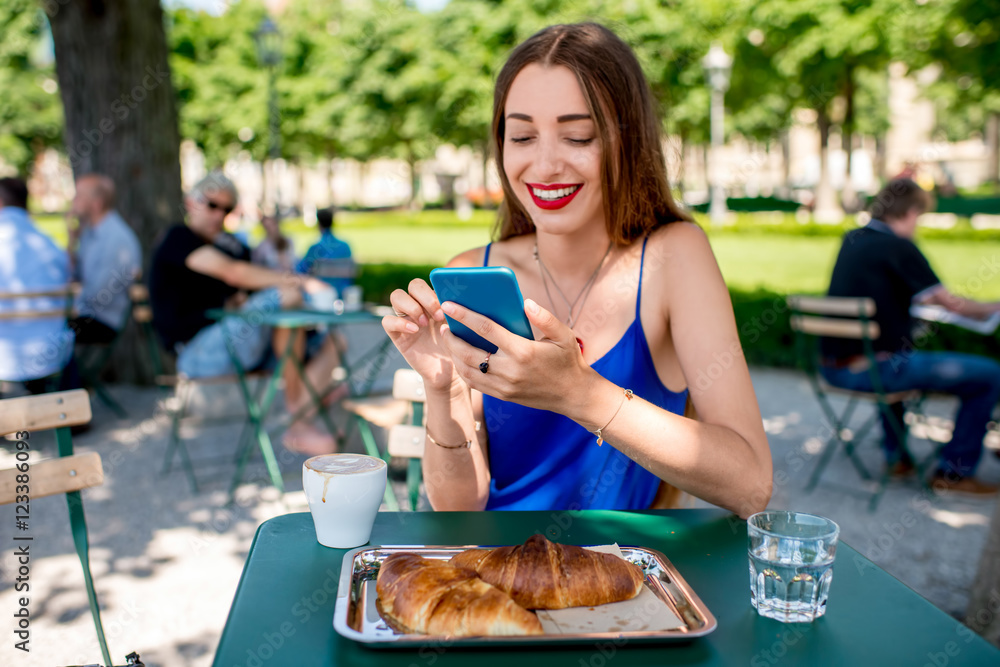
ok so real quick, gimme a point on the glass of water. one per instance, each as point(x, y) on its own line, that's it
point(791, 564)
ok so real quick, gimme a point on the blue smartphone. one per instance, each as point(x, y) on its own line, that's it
point(491, 291)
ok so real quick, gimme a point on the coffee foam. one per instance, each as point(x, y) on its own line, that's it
point(344, 464)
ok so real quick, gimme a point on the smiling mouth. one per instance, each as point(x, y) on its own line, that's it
point(554, 196)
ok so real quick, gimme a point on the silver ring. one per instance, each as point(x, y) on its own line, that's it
point(398, 314)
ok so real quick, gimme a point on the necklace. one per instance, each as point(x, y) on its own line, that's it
point(581, 298)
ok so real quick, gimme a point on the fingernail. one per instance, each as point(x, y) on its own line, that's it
point(439, 315)
point(412, 328)
point(423, 320)
point(531, 306)
point(448, 307)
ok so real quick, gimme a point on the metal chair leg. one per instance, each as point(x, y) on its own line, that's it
point(413, 475)
point(78, 525)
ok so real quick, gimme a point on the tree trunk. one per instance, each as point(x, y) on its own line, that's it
point(786, 164)
point(111, 62)
point(328, 175)
point(826, 209)
point(415, 203)
point(993, 149)
point(880, 158)
point(983, 614)
point(848, 196)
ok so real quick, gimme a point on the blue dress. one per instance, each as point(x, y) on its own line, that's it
point(540, 460)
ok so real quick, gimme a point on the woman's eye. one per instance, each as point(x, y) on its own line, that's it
point(581, 142)
point(519, 140)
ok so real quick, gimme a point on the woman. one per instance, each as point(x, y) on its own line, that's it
point(275, 251)
point(625, 298)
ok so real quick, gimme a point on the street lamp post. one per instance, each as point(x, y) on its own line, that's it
point(269, 53)
point(717, 64)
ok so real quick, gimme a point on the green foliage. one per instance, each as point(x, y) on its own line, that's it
point(30, 109)
point(377, 281)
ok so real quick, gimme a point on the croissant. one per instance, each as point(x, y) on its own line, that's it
point(543, 575)
point(419, 595)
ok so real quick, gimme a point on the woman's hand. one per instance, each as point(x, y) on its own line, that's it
point(414, 330)
point(544, 374)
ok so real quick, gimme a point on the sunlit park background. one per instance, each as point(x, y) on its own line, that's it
point(781, 119)
point(381, 109)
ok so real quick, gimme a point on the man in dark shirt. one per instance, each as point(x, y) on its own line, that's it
point(881, 261)
point(199, 267)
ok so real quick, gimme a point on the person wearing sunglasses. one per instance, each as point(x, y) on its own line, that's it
point(198, 267)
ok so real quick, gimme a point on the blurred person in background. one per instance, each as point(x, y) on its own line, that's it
point(37, 351)
point(275, 251)
point(198, 267)
point(105, 257)
point(329, 258)
point(881, 261)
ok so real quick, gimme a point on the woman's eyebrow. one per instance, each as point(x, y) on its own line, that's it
point(560, 119)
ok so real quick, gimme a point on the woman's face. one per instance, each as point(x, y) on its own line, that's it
point(551, 150)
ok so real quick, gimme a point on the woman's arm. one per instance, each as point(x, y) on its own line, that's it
point(724, 456)
point(456, 477)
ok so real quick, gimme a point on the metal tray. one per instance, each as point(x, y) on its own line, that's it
point(356, 616)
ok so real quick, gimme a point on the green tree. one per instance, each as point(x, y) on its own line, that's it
point(962, 38)
point(220, 87)
point(30, 113)
point(821, 48)
point(392, 83)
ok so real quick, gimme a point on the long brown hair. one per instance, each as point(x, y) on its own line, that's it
point(637, 196)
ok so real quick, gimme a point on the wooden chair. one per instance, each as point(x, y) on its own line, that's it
point(848, 318)
point(327, 268)
point(67, 474)
point(402, 415)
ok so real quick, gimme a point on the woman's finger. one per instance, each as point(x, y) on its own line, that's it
point(467, 358)
point(482, 325)
point(425, 295)
point(399, 325)
point(404, 305)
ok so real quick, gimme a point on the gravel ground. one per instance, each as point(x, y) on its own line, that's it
point(167, 562)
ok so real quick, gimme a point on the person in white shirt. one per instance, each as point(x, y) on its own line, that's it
point(32, 350)
point(106, 258)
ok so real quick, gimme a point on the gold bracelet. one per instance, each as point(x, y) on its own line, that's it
point(600, 432)
point(465, 445)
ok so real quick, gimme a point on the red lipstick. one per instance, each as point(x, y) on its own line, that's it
point(553, 204)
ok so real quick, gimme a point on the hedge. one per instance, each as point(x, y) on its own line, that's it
point(761, 319)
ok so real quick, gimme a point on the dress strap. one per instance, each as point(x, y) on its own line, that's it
point(486, 257)
point(638, 296)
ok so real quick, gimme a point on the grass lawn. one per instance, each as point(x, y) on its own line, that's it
point(779, 262)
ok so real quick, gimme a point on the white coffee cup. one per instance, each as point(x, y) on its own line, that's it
point(352, 298)
point(324, 300)
point(344, 493)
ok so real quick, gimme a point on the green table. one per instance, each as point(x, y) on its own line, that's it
point(283, 610)
point(259, 405)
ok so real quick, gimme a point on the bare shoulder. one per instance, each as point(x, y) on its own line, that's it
point(510, 252)
point(682, 235)
point(681, 246)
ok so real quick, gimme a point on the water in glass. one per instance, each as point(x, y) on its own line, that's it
point(791, 564)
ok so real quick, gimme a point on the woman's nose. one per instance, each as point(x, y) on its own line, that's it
point(548, 160)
